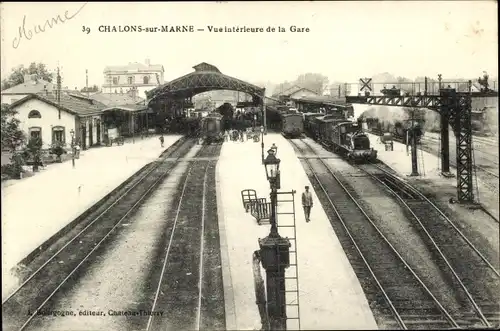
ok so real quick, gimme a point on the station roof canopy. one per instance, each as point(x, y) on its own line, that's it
point(320, 100)
point(133, 108)
point(206, 77)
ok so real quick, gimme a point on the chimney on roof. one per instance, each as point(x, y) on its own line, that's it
point(148, 62)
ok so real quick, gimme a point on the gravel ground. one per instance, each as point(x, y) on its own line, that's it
point(477, 226)
point(180, 289)
point(397, 225)
point(486, 157)
point(115, 279)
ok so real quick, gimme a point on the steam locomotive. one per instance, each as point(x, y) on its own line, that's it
point(342, 136)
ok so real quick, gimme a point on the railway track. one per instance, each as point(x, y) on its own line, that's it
point(466, 261)
point(398, 286)
point(479, 167)
point(21, 308)
point(491, 158)
point(370, 243)
point(186, 287)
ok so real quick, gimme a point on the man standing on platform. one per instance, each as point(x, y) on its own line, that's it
point(307, 203)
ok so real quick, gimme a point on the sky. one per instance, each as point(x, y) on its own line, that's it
point(346, 41)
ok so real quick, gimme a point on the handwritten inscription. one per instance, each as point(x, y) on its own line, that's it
point(37, 29)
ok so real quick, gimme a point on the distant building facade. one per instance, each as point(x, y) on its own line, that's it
point(294, 92)
point(135, 77)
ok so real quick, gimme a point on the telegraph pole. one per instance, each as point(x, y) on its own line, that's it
point(413, 137)
point(59, 90)
point(87, 82)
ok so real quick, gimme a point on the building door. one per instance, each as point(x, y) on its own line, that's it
point(84, 137)
point(91, 134)
point(98, 131)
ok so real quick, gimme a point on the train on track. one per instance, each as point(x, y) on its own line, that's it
point(342, 136)
point(211, 128)
point(292, 124)
point(400, 130)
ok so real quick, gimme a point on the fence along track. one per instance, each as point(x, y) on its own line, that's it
point(152, 324)
point(150, 181)
point(449, 320)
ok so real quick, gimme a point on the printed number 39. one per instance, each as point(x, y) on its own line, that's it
point(85, 29)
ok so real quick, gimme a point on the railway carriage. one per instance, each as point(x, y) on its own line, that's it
point(308, 122)
point(211, 128)
point(323, 126)
point(292, 125)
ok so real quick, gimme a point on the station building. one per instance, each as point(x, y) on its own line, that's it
point(52, 119)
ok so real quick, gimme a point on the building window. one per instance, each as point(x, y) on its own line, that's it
point(146, 80)
point(34, 114)
point(130, 80)
point(58, 135)
point(35, 132)
point(115, 80)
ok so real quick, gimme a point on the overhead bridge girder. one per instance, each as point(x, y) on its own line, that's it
point(454, 107)
point(433, 102)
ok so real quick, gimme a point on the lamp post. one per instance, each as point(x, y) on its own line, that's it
point(262, 142)
point(275, 252)
point(72, 133)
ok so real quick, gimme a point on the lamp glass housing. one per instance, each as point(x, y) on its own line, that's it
point(274, 148)
point(272, 164)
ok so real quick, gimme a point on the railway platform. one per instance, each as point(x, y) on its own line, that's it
point(329, 292)
point(36, 208)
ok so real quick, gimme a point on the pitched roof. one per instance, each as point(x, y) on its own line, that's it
point(33, 86)
point(115, 99)
point(72, 105)
point(136, 66)
point(292, 90)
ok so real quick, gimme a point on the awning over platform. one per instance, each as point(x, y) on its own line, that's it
point(320, 100)
point(130, 108)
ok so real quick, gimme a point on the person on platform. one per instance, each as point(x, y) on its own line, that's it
point(162, 140)
point(307, 203)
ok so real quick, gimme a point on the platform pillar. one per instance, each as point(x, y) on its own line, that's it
point(445, 142)
point(414, 161)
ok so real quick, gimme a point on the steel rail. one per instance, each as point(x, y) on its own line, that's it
point(78, 235)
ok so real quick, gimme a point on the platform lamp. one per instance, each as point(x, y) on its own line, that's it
point(72, 133)
point(275, 252)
